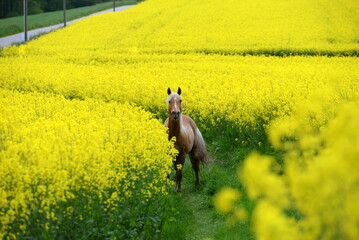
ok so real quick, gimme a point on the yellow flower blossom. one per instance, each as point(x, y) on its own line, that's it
point(225, 199)
point(179, 166)
point(240, 214)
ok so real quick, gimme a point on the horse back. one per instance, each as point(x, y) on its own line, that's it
point(189, 123)
point(199, 148)
point(192, 132)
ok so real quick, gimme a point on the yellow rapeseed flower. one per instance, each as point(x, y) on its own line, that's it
point(225, 199)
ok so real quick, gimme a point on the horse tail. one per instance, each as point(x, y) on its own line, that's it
point(201, 148)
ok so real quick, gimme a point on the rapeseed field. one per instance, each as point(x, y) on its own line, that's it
point(65, 161)
point(81, 110)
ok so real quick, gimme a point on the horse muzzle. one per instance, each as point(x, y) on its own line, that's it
point(176, 115)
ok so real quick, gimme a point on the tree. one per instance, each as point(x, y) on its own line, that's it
point(11, 8)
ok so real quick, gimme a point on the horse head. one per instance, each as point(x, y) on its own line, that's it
point(174, 103)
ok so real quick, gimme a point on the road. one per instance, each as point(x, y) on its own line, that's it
point(20, 37)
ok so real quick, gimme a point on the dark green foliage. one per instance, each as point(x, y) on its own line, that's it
point(14, 25)
point(11, 8)
point(282, 52)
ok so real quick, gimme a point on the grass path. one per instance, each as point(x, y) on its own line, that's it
point(194, 215)
point(204, 223)
point(194, 218)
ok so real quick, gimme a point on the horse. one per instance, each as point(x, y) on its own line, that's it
point(188, 139)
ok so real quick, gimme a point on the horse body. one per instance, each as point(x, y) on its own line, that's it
point(188, 138)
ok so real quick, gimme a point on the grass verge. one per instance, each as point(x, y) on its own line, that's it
point(15, 25)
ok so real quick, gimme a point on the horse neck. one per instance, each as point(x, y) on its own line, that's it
point(174, 128)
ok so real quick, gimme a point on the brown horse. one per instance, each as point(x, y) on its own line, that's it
point(188, 138)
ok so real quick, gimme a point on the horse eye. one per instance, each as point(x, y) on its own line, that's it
point(169, 101)
point(180, 100)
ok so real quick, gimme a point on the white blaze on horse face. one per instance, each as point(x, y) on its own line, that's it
point(174, 105)
point(172, 95)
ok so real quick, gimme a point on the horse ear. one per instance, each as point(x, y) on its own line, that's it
point(179, 91)
point(169, 91)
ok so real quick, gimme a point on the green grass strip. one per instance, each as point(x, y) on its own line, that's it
point(15, 25)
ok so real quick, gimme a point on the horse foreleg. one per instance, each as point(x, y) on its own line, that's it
point(178, 167)
point(178, 180)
